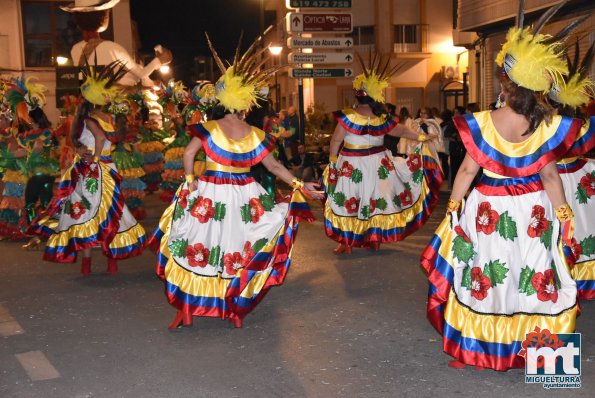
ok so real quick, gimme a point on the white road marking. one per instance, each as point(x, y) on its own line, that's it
point(37, 366)
point(8, 326)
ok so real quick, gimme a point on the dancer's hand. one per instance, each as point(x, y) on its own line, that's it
point(193, 186)
point(453, 206)
point(433, 137)
point(85, 154)
point(312, 190)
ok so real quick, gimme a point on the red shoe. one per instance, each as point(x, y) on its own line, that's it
point(181, 319)
point(112, 266)
point(236, 322)
point(456, 364)
point(86, 266)
point(375, 246)
point(342, 249)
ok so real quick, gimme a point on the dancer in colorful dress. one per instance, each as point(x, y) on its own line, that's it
point(496, 272)
point(223, 241)
point(26, 158)
point(89, 208)
point(373, 198)
point(578, 172)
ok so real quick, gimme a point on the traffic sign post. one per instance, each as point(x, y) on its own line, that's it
point(317, 73)
point(320, 58)
point(319, 42)
point(318, 22)
point(318, 4)
point(304, 22)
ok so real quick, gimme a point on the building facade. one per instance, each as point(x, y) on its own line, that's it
point(36, 35)
point(416, 34)
point(491, 20)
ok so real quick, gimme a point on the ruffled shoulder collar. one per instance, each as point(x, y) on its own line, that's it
point(244, 152)
point(105, 126)
point(359, 124)
point(492, 152)
point(585, 139)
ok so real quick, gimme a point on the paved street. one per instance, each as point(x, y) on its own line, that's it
point(350, 326)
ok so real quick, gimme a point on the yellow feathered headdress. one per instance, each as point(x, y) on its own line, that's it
point(99, 87)
point(240, 85)
point(374, 79)
point(531, 59)
point(577, 89)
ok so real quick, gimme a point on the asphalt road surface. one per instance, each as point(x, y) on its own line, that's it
point(340, 326)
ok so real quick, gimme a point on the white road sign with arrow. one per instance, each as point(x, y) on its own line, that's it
point(320, 58)
point(319, 42)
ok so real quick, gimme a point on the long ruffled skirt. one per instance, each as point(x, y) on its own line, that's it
point(498, 274)
point(378, 198)
point(223, 246)
point(88, 211)
point(578, 178)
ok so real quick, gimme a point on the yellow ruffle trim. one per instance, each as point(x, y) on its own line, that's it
point(132, 173)
point(584, 271)
point(531, 145)
point(246, 144)
point(502, 328)
point(174, 154)
point(128, 238)
point(362, 120)
point(14, 176)
point(152, 146)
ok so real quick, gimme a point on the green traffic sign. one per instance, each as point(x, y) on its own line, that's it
point(316, 73)
point(319, 3)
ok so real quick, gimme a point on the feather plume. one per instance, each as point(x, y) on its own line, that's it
point(236, 57)
point(520, 17)
point(240, 84)
point(546, 16)
point(576, 89)
point(218, 61)
point(565, 32)
point(100, 88)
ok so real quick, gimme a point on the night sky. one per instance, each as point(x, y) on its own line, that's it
point(180, 25)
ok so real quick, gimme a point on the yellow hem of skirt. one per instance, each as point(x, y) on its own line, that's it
point(504, 329)
point(382, 221)
point(127, 238)
point(584, 271)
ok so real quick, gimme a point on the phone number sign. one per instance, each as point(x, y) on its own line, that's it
point(318, 3)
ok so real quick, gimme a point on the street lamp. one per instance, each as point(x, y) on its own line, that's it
point(61, 60)
point(276, 51)
point(164, 69)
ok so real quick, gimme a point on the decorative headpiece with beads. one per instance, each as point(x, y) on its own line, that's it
point(202, 98)
point(174, 92)
point(374, 79)
point(531, 59)
point(23, 96)
point(100, 88)
point(241, 84)
point(576, 89)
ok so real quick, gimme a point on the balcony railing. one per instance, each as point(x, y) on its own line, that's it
point(410, 38)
